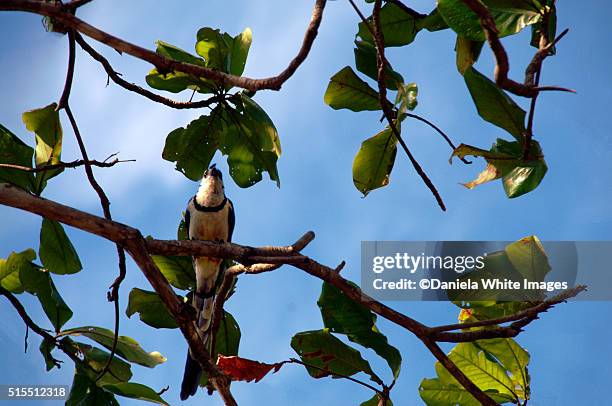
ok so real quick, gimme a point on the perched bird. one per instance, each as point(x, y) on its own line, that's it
point(209, 216)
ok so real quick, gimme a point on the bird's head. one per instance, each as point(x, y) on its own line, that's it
point(211, 192)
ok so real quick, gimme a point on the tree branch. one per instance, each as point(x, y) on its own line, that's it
point(137, 89)
point(140, 249)
point(524, 314)
point(382, 96)
point(502, 67)
point(62, 165)
point(59, 13)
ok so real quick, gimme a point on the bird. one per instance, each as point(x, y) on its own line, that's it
point(209, 216)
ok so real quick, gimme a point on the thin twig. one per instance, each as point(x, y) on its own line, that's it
point(407, 9)
point(534, 310)
point(31, 325)
point(62, 165)
point(382, 95)
point(442, 133)
point(113, 295)
point(163, 64)
point(63, 101)
point(74, 4)
point(335, 374)
point(112, 74)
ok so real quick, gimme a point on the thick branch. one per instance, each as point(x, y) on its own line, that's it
point(131, 239)
point(139, 249)
point(59, 13)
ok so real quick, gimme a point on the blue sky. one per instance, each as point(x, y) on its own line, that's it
point(570, 349)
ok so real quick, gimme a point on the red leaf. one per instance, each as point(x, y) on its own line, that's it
point(242, 369)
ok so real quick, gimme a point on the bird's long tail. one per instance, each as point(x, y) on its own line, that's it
point(203, 300)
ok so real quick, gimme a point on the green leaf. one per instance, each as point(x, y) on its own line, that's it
point(347, 91)
point(479, 368)
point(134, 390)
point(510, 16)
point(46, 347)
point(178, 81)
point(398, 27)
point(514, 359)
point(45, 123)
point(327, 355)
point(10, 269)
point(182, 233)
point(84, 392)
point(468, 52)
point(433, 22)
point(245, 134)
point(212, 45)
point(529, 258)
point(365, 62)
point(407, 97)
point(94, 362)
point(14, 151)
point(239, 51)
point(227, 340)
point(150, 308)
point(251, 144)
point(127, 347)
point(373, 401)
point(551, 30)
point(38, 282)
point(193, 147)
point(178, 270)
point(524, 178)
point(494, 105)
point(344, 316)
point(56, 251)
point(435, 393)
point(505, 161)
point(374, 161)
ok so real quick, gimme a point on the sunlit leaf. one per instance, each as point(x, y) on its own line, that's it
point(45, 123)
point(504, 160)
point(374, 162)
point(514, 359)
point(529, 258)
point(10, 269)
point(127, 347)
point(467, 52)
point(435, 393)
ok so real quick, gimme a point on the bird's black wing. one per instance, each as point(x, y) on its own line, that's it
point(231, 219)
point(187, 219)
